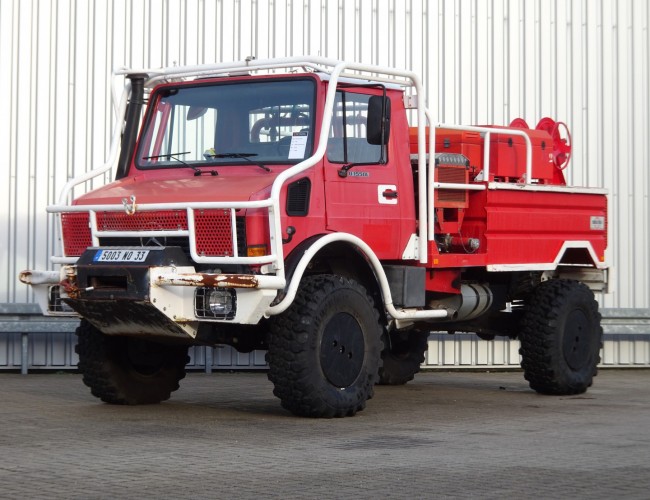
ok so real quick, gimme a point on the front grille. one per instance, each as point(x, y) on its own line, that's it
point(213, 230)
point(76, 233)
point(163, 220)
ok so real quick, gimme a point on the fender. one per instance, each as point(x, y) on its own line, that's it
point(305, 252)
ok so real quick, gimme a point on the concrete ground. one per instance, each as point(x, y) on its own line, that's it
point(444, 435)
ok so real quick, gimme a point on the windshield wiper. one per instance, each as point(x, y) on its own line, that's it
point(174, 156)
point(244, 156)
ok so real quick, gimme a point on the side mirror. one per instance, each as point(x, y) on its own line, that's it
point(378, 124)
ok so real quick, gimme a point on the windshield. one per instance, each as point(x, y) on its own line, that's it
point(266, 121)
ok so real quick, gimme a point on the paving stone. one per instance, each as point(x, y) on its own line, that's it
point(444, 435)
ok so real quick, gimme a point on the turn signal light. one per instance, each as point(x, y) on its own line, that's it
point(256, 250)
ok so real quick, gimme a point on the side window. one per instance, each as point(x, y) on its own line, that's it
point(348, 139)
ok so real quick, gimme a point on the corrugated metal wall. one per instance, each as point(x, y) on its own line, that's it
point(55, 351)
point(483, 61)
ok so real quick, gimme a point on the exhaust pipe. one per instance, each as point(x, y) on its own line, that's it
point(132, 120)
point(473, 301)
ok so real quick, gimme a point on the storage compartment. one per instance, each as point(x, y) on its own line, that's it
point(508, 156)
point(406, 285)
point(507, 152)
point(469, 144)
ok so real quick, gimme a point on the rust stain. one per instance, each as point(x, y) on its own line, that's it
point(188, 279)
point(70, 284)
point(25, 277)
point(230, 280)
point(211, 280)
point(71, 289)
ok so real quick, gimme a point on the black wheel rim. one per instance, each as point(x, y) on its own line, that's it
point(576, 338)
point(342, 350)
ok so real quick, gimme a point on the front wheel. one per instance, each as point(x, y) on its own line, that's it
point(126, 370)
point(561, 338)
point(324, 351)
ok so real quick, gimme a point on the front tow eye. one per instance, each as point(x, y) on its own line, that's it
point(290, 232)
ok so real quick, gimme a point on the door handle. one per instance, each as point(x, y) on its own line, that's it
point(387, 194)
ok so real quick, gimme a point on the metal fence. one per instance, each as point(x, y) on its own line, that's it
point(626, 344)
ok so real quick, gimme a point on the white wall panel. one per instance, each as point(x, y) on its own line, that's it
point(483, 61)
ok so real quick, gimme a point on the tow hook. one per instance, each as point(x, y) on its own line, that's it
point(290, 232)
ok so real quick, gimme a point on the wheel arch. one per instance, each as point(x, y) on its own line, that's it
point(578, 261)
point(581, 253)
point(345, 259)
point(336, 253)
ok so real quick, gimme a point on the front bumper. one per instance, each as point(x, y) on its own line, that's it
point(154, 297)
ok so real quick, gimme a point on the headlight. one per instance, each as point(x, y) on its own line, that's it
point(220, 302)
point(215, 303)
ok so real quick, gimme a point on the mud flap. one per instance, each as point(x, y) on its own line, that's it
point(127, 317)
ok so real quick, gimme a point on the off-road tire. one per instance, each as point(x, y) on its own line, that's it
point(324, 350)
point(561, 338)
point(128, 371)
point(402, 357)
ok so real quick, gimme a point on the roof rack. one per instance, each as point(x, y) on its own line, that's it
point(249, 65)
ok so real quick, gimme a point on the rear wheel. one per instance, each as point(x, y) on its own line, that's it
point(561, 338)
point(324, 351)
point(127, 370)
point(402, 357)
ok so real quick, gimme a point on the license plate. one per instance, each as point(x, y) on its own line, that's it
point(121, 255)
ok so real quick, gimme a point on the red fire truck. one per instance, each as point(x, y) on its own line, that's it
point(313, 208)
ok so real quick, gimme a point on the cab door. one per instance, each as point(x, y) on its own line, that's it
point(362, 192)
